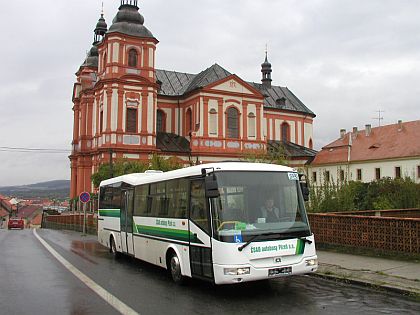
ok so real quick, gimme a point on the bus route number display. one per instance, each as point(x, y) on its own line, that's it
point(84, 197)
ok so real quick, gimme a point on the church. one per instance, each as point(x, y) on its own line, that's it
point(126, 108)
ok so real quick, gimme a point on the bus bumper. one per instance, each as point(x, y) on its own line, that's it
point(225, 274)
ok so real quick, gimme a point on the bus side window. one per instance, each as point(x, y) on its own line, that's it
point(198, 209)
point(140, 202)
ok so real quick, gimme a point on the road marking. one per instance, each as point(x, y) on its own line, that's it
point(108, 297)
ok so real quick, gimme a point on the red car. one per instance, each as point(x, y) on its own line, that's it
point(15, 223)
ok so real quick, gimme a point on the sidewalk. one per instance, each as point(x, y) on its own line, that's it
point(395, 275)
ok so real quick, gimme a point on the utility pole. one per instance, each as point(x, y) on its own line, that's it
point(111, 166)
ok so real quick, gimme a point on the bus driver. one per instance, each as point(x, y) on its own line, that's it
point(268, 212)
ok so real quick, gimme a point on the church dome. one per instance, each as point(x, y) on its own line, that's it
point(92, 58)
point(101, 26)
point(129, 21)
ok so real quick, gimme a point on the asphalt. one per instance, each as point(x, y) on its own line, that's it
point(388, 274)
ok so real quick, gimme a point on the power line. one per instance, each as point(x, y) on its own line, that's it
point(32, 150)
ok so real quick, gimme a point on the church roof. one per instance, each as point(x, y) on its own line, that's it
point(291, 149)
point(178, 83)
point(208, 76)
point(274, 94)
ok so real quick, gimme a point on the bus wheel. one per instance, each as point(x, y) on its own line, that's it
point(113, 248)
point(175, 269)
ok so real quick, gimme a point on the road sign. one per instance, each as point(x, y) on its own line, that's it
point(84, 197)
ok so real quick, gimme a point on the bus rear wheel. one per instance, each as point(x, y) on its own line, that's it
point(175, 269)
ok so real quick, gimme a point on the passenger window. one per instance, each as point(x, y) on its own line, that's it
point(158, 200)
point(198, 208)
point(176, 197)
point(140, 201)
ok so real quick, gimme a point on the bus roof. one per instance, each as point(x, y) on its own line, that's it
point(145, 178)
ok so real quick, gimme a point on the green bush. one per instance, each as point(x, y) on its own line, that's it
point(384, 194)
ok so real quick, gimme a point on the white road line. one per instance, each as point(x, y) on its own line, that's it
point(108, 297)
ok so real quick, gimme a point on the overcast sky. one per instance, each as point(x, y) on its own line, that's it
point(344, 59)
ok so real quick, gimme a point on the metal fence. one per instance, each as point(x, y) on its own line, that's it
point(391, 233)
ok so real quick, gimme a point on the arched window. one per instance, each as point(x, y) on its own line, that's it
point(285, 132)
point(160, 121)
point(132, 58)
point(232, 123)
point(251, 124)
point(311, 145)
point(188, 122)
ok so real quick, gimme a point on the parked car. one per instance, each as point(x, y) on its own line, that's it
point(16, 223)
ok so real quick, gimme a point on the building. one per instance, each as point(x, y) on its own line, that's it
point(371, 154)
point(126, 108)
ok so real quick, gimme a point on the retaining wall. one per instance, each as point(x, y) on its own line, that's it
point(73, 222)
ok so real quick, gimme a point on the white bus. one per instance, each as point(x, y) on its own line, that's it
point(211, 221)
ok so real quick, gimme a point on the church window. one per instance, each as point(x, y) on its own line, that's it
point(311, 145)
point(160, 121)
point(251, 124)
point(213, 122)
point(104, 62)
point(132, 58)
point(101, 122)
point(232, 123)
point(285, 132)
point(188, 122)
point(131, 120)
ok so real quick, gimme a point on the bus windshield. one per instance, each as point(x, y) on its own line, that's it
point(252, 203)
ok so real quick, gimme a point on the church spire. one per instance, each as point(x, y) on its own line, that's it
point(101, 27)
point(266, 71)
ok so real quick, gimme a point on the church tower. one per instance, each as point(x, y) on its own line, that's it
point(115, 97)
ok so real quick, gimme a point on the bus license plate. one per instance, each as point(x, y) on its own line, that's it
point(280, 271)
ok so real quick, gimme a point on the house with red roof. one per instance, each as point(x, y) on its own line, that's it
point(370, 154)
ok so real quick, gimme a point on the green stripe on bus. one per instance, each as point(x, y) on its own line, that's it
point(114, 213)
point(179, 235)
point(300, 247)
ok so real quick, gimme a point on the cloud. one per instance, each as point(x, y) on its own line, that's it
point(344, 59)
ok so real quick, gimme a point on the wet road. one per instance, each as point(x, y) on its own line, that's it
point(32, 281)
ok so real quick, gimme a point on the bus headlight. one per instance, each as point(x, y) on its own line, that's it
point(311, 262)
point(237, 271)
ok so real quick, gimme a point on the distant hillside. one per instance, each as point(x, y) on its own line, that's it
point(51, 189)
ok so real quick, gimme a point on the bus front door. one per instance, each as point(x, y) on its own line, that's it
point(200, 240)
point(127, 210)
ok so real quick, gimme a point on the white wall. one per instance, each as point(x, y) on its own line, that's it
point(408, 169)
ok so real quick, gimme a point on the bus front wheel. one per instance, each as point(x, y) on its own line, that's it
point(175, 269)
point(113, 248)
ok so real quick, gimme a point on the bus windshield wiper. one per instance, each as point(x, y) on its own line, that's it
point(255, 237)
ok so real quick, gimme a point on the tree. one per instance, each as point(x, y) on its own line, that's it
point(123, 167)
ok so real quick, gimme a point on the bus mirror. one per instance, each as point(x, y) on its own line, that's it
point(304, 187)
point(212, 189)
point(305, 190)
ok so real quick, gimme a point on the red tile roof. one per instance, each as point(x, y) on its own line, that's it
point(3, 213)
point(37, 220)
point(386, 142)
